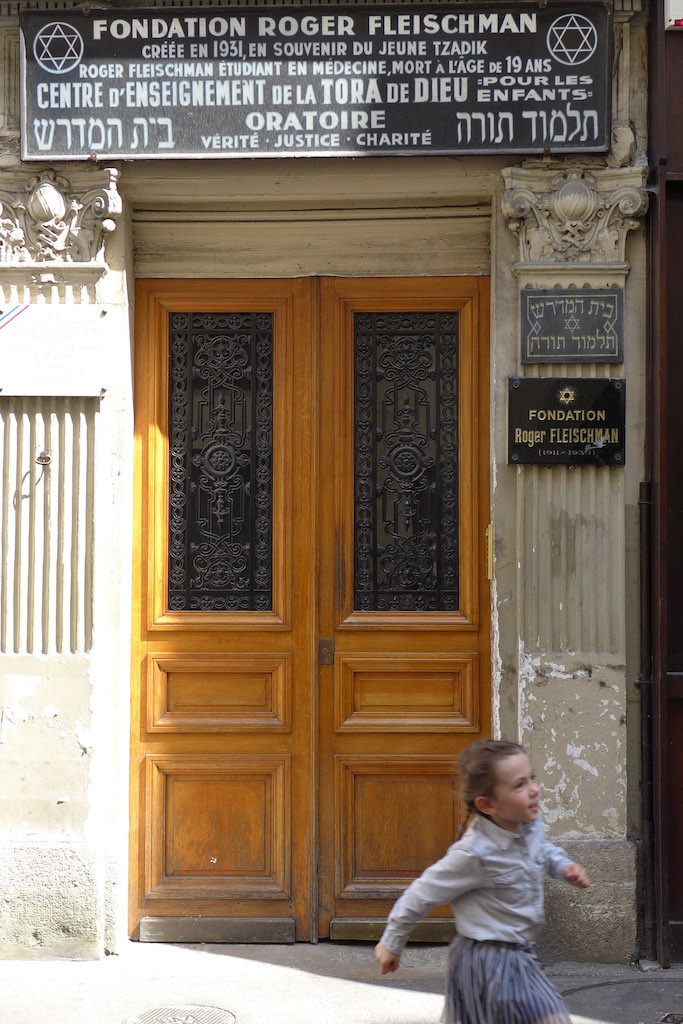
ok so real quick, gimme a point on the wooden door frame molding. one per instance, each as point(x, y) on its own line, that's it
point(156, 300)
point(469, 297)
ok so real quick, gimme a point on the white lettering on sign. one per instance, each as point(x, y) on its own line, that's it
point(450, 24)
point(160, 28)
point(289, 25)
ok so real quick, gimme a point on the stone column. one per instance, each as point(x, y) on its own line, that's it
point(65, 520)
point(566, 558)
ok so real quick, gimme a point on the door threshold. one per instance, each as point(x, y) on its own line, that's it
point(236, 930)
point(369, 929)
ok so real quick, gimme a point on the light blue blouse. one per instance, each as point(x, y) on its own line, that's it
point(493, 879)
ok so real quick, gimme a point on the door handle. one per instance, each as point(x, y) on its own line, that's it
point(326, 652)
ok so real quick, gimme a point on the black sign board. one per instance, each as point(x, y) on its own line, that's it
point(573, 326)
point(316, 81)
point(570, 421)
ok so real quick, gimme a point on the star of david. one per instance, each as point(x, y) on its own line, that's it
point(572, 323)
point(572, 39)
point(58, 47)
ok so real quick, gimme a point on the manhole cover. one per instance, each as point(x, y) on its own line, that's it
point(182, 1015)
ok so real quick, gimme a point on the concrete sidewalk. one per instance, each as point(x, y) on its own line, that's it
point(329, 982)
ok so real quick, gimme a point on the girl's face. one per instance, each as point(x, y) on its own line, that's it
point(515, 796)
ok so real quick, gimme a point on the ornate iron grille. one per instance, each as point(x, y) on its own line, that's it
point(406, 469)
point(221, 456)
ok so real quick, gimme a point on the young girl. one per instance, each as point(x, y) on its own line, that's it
point(493, 877)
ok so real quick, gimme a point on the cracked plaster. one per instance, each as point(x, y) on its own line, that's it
point(572, 718)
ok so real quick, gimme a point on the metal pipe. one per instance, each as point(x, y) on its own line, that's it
point(647, 801)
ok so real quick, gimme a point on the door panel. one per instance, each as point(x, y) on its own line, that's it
point(187, 693)
point(403, 590)
point(312, 482)
point(222, 762)
point(377, 693)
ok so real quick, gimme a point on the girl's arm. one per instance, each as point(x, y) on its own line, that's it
point(555, 860)
point(558, 865)
point(577, 875)
point(388, 962)
point(456, 873)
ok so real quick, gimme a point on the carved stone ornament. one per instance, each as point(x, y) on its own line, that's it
point(48, 221)
point(573, 216)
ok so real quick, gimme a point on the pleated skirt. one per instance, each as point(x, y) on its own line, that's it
point(494, 983)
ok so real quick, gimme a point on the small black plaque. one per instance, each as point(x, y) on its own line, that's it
point(566, 421)
point(572, 326)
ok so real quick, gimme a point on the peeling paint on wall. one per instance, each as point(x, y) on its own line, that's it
point(575, 734)
point(45, 753)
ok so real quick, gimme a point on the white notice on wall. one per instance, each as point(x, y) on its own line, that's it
point(52, 350)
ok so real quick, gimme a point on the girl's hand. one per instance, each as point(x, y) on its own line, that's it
point(388, 962)
point(577, 875)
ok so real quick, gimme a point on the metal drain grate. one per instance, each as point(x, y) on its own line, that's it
point(189, 1014)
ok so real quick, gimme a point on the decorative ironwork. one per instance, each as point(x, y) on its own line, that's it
point(221, 455)
point(406, 468)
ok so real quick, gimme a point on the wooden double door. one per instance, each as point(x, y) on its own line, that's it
point(311, 606)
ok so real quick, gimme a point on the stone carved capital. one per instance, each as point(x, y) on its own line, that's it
point(573, 216)
point(46, 220)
